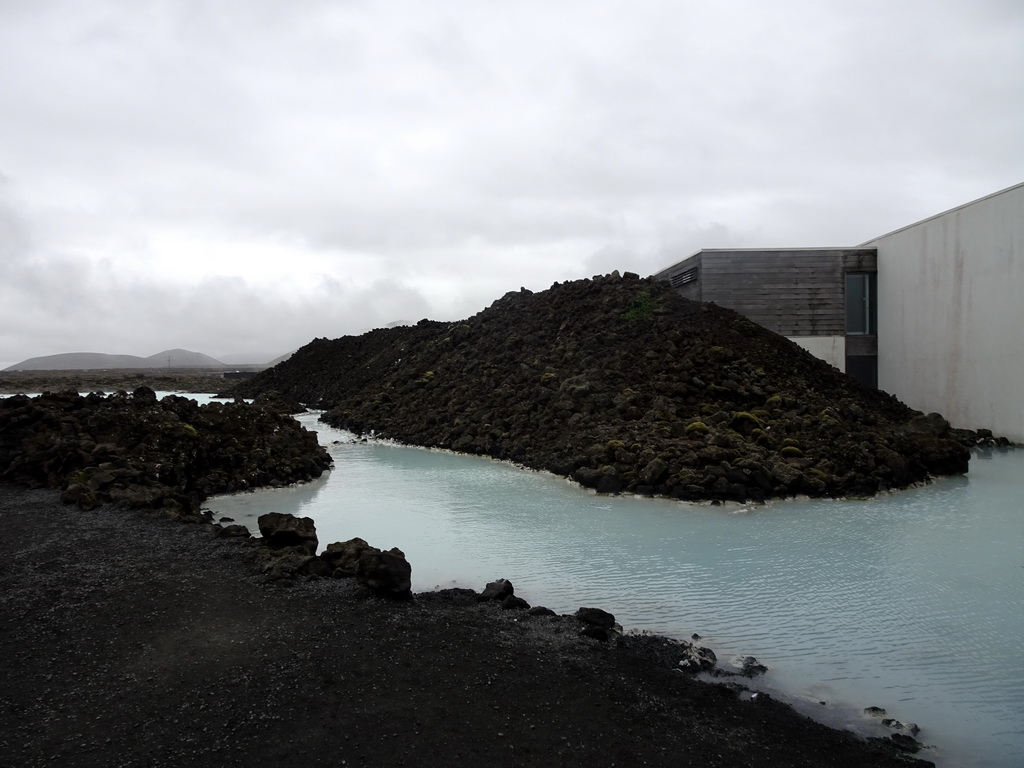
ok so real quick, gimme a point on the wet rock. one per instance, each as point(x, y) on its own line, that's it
point(513, 603)
point(595, 617)
point(609, 483)
point(343, 556)
point(385, 572)
point(595, 633)
point(696, 658)
point(874, 712)
point(285, 530)
point(540, 610)
point(497, 590)
point(751, 667)
point(905, 743)
point(896, 725)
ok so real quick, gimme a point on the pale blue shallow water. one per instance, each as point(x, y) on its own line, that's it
point(912, 601)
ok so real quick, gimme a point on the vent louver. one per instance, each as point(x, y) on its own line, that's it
point(682, 278)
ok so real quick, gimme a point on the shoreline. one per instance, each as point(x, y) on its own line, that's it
point(437, 678)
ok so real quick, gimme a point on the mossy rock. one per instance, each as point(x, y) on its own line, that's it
point(642, 306)
point(759, 436)
point(813, 483)
point(548, 377)
point(790, 442)
point(78, 478)
point(697, 428)
point(745, 422)
point(791, 452)
point(830, 426)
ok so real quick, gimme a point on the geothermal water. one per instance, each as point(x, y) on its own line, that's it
point(911, 601)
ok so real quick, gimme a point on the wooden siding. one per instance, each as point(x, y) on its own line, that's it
point(798, 292)
point(795, 293)
point(860, 259)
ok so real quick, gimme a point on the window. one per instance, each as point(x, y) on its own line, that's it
point(860, 303)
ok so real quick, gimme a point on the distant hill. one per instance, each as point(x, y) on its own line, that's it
point(182, 358)
point(247, 358)
point(80, 361)
point(280, 359)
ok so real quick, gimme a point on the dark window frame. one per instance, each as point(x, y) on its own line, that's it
point(861, 289)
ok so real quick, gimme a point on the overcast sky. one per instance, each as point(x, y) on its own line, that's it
point(245, 175)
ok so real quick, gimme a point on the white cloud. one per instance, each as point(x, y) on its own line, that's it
point(210, 174)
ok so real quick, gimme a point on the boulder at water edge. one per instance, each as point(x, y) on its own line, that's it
point(497, 590)
point(696, 658)
point(386, 572)
point(284, 530)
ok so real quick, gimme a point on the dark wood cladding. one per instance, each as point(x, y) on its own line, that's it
point(860, 259)
point(799, 292)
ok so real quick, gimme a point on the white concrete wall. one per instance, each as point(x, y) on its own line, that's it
point(951, 314)
point(831, 349)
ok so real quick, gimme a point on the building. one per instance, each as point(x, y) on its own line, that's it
point(933, 312)
point(821, 298)
point(951, 310)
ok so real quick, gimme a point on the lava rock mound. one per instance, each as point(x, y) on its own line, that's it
point(137, 451)
point(626, 387)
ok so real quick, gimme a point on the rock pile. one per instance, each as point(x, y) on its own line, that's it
point(624, 386)
point(136, 451)
point(289, 547)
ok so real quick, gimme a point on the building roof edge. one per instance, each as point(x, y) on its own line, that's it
point(943, 213)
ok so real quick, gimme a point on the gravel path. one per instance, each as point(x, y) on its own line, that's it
point(128, 639)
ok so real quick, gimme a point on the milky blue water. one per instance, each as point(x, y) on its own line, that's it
point(912, 601)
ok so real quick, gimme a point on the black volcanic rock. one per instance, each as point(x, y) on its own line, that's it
point(624, 386)
point(136, 451)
